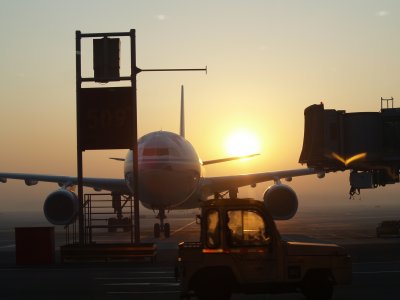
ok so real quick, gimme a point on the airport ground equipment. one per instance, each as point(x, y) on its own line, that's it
point(108, 253)
point(105, 214)
point(366, 143)
point(108, 212)
point(241, 251)
point(107, 116)
point(102, 211)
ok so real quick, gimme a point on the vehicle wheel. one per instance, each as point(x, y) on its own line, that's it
point(167, 230)
point(317, 286)
point(157, 230)
point(213, 287)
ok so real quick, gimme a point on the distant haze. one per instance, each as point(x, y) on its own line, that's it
point(267, 61)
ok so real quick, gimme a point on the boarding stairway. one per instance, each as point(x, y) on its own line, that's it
point(110, 212)
point(109, 216)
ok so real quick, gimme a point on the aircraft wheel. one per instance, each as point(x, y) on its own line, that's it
point(157, 230)
point(126, 222)
point(112, 222)
point(167, 230)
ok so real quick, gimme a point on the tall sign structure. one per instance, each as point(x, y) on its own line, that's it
point(107, 117)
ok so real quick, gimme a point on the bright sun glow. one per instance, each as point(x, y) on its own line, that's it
point(241, 143)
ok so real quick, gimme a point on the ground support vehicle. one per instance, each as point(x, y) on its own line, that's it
point(241, 251)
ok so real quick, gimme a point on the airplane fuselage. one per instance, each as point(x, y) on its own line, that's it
point(170, 172)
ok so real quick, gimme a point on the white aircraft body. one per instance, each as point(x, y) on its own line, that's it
point(171, 176)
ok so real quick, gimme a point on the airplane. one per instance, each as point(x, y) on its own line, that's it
point(171, 177)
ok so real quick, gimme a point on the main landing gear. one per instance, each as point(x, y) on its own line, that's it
point(119, 221)
point(161, 227)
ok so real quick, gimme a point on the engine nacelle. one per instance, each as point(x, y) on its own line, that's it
point(281, 201)
point(30, 182)
point(61, 207)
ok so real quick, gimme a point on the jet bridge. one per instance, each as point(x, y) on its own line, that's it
point(367, 143)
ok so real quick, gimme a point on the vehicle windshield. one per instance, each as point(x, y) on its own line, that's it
point(213, 238)
point(246, 228)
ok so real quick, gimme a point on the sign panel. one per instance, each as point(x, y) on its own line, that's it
point(106, 119)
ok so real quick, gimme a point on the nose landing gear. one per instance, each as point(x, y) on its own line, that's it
point(161, 227)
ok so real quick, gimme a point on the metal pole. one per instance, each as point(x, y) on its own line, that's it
point(135, 177)
point(78, 138)
point(168, 70)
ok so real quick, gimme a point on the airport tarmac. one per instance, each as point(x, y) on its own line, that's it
point(376, 262)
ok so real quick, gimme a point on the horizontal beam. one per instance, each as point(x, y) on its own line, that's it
point(90, 79)
point(123, 78)
point(107, 34)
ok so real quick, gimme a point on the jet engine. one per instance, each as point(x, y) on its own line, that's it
point(61, 207)
point(281, 201)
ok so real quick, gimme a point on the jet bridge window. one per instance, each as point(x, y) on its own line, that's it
point(246, 228)
point(212, 238)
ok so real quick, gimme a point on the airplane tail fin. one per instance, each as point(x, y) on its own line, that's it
point(182, 124)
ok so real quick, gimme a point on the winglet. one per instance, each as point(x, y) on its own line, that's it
point(182, 124)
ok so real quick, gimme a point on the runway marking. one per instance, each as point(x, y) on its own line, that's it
point(7, 246)
point(180, 229)
point(151, 272)
point(377, 272)
point(18, 269)
point(154, 292)
point(136, 272)
point(143, 284)
point(132, 278)
point(377, 262)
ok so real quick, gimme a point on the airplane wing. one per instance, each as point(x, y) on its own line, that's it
point(210, 185)
point(109, 184)
point(213, 185)
point(217, 161)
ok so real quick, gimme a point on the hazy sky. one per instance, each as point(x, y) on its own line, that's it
point(267, 61)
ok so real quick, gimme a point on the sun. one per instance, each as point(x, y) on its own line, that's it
point(242, 142)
